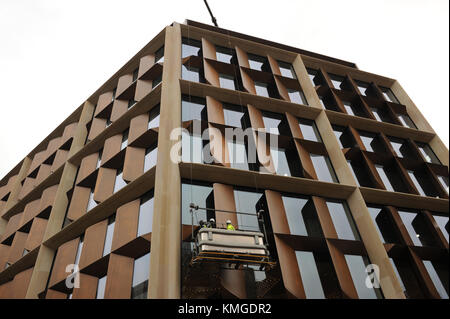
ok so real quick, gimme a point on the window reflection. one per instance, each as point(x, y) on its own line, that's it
point(287, 70)
point(309, 130)
point(145, 214)
point(151, 156)
point(324, 169)
point(227, 82)
point(141, 272)
point(190, 73)
point(153, 118)
point(357, 266)
point(342, 220)
point(109, 235)
point(301, 216)
point(193, 108)
point(190, 47)
point(101, 284)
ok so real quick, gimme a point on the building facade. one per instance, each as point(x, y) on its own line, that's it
point(348, 181)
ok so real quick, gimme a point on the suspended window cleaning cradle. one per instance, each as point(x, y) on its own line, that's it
point(232, 247)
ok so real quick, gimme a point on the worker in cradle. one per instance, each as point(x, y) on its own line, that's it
point(212, 223)
point(230, 225)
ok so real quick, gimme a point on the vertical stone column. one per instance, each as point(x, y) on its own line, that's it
point(165, 264)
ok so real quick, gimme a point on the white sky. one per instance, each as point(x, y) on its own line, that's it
point(54, 54)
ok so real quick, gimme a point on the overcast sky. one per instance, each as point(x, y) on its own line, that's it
point(54, 54)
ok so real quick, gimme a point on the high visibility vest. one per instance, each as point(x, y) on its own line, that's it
point(230, 227)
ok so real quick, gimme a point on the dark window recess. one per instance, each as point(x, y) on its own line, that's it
point(135, 74)
point(361, 173)
point(344, 137)
point(385, 224)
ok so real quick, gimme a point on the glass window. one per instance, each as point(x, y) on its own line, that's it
point(247, 202)
point(398, 274)
point(442, 222)
point(310, 275)
point(349, 162)
point(297, 97)
point(272, 122)
point(224, 55)
point(91, 202)
point(280, 161)
point(124, 140)
point(342, 220)
point(135, 74)
point(362, 87)
point(145, 214)
point(398, 146)
point(388, 95)
point(262, 89)
point(109, 235)
point(406, 121)
point(312, 74)
point(193, 108)
point(157, 81)
point(257, 62)
point(237, 154)
point(324, 169)
point(336, 80)
point(287, 70)
point(199, 194)
point(428, 154)
point(384, 177)
point(416, 183)
point(436, 279)
point(370, 141)
point(227, 82)
point(190, 73)
point(322, 103)
point(301, 216)
point(234, 115)
point(339, 133)
point(79, 250)
point(99, 159)
point(410, 220)
point(131, 103)
point(357, 266)
point(193, 148)
point(377, 114)
point(444, 182)
point(190, 47)
point(153, 117)
point(383, 224)
point(141, 272)
point(120, 182)
point(151, 156)
point(159, 55)
point(101, 288)
point(349, 108)
point(309, 130)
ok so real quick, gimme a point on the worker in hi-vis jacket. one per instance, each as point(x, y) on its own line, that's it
point(230, 225)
